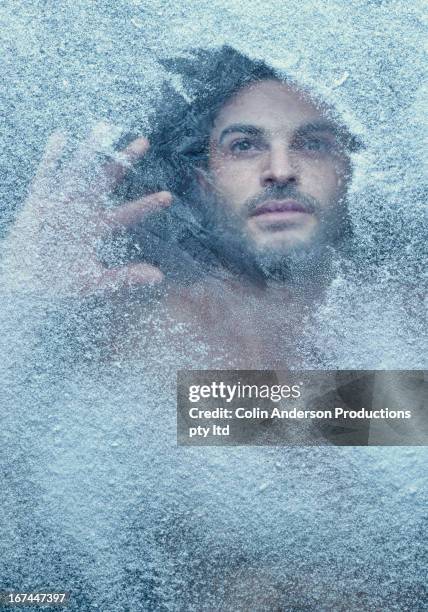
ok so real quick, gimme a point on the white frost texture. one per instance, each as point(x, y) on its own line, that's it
point(97, 499)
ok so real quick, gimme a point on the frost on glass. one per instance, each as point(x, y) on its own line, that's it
point(98, 499)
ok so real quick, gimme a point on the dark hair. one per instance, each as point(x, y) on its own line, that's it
point(181, 122)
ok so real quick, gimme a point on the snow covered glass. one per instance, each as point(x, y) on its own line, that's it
point(211, 187)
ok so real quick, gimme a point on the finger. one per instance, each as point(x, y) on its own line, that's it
point(87, 162)
point(101, 139)
point(36, 204)
point(133, 275)
point(50, 158)
point(115, 170)
point(135, 211)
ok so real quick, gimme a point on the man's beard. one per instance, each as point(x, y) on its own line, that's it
point(306, 262)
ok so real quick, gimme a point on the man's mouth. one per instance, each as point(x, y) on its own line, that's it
point(281, 209)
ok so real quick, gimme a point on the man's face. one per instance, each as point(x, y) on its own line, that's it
point(278, 170)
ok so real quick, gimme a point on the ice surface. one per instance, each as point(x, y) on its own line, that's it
point(97, 497)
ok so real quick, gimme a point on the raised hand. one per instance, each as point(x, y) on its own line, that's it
point(52, 248)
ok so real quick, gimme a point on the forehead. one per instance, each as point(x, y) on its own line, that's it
point(271, 105)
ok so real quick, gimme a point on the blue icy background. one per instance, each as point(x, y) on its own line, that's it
point(97, 497)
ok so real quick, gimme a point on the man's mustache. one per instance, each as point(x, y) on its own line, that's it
point(282, 192)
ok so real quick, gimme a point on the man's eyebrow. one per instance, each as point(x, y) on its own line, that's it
point(244, 128)
point(320, 126)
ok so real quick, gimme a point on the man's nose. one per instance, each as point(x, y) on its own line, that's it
point(280, 167)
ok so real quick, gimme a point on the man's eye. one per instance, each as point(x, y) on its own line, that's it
point(242, 145)
point(315, 144)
